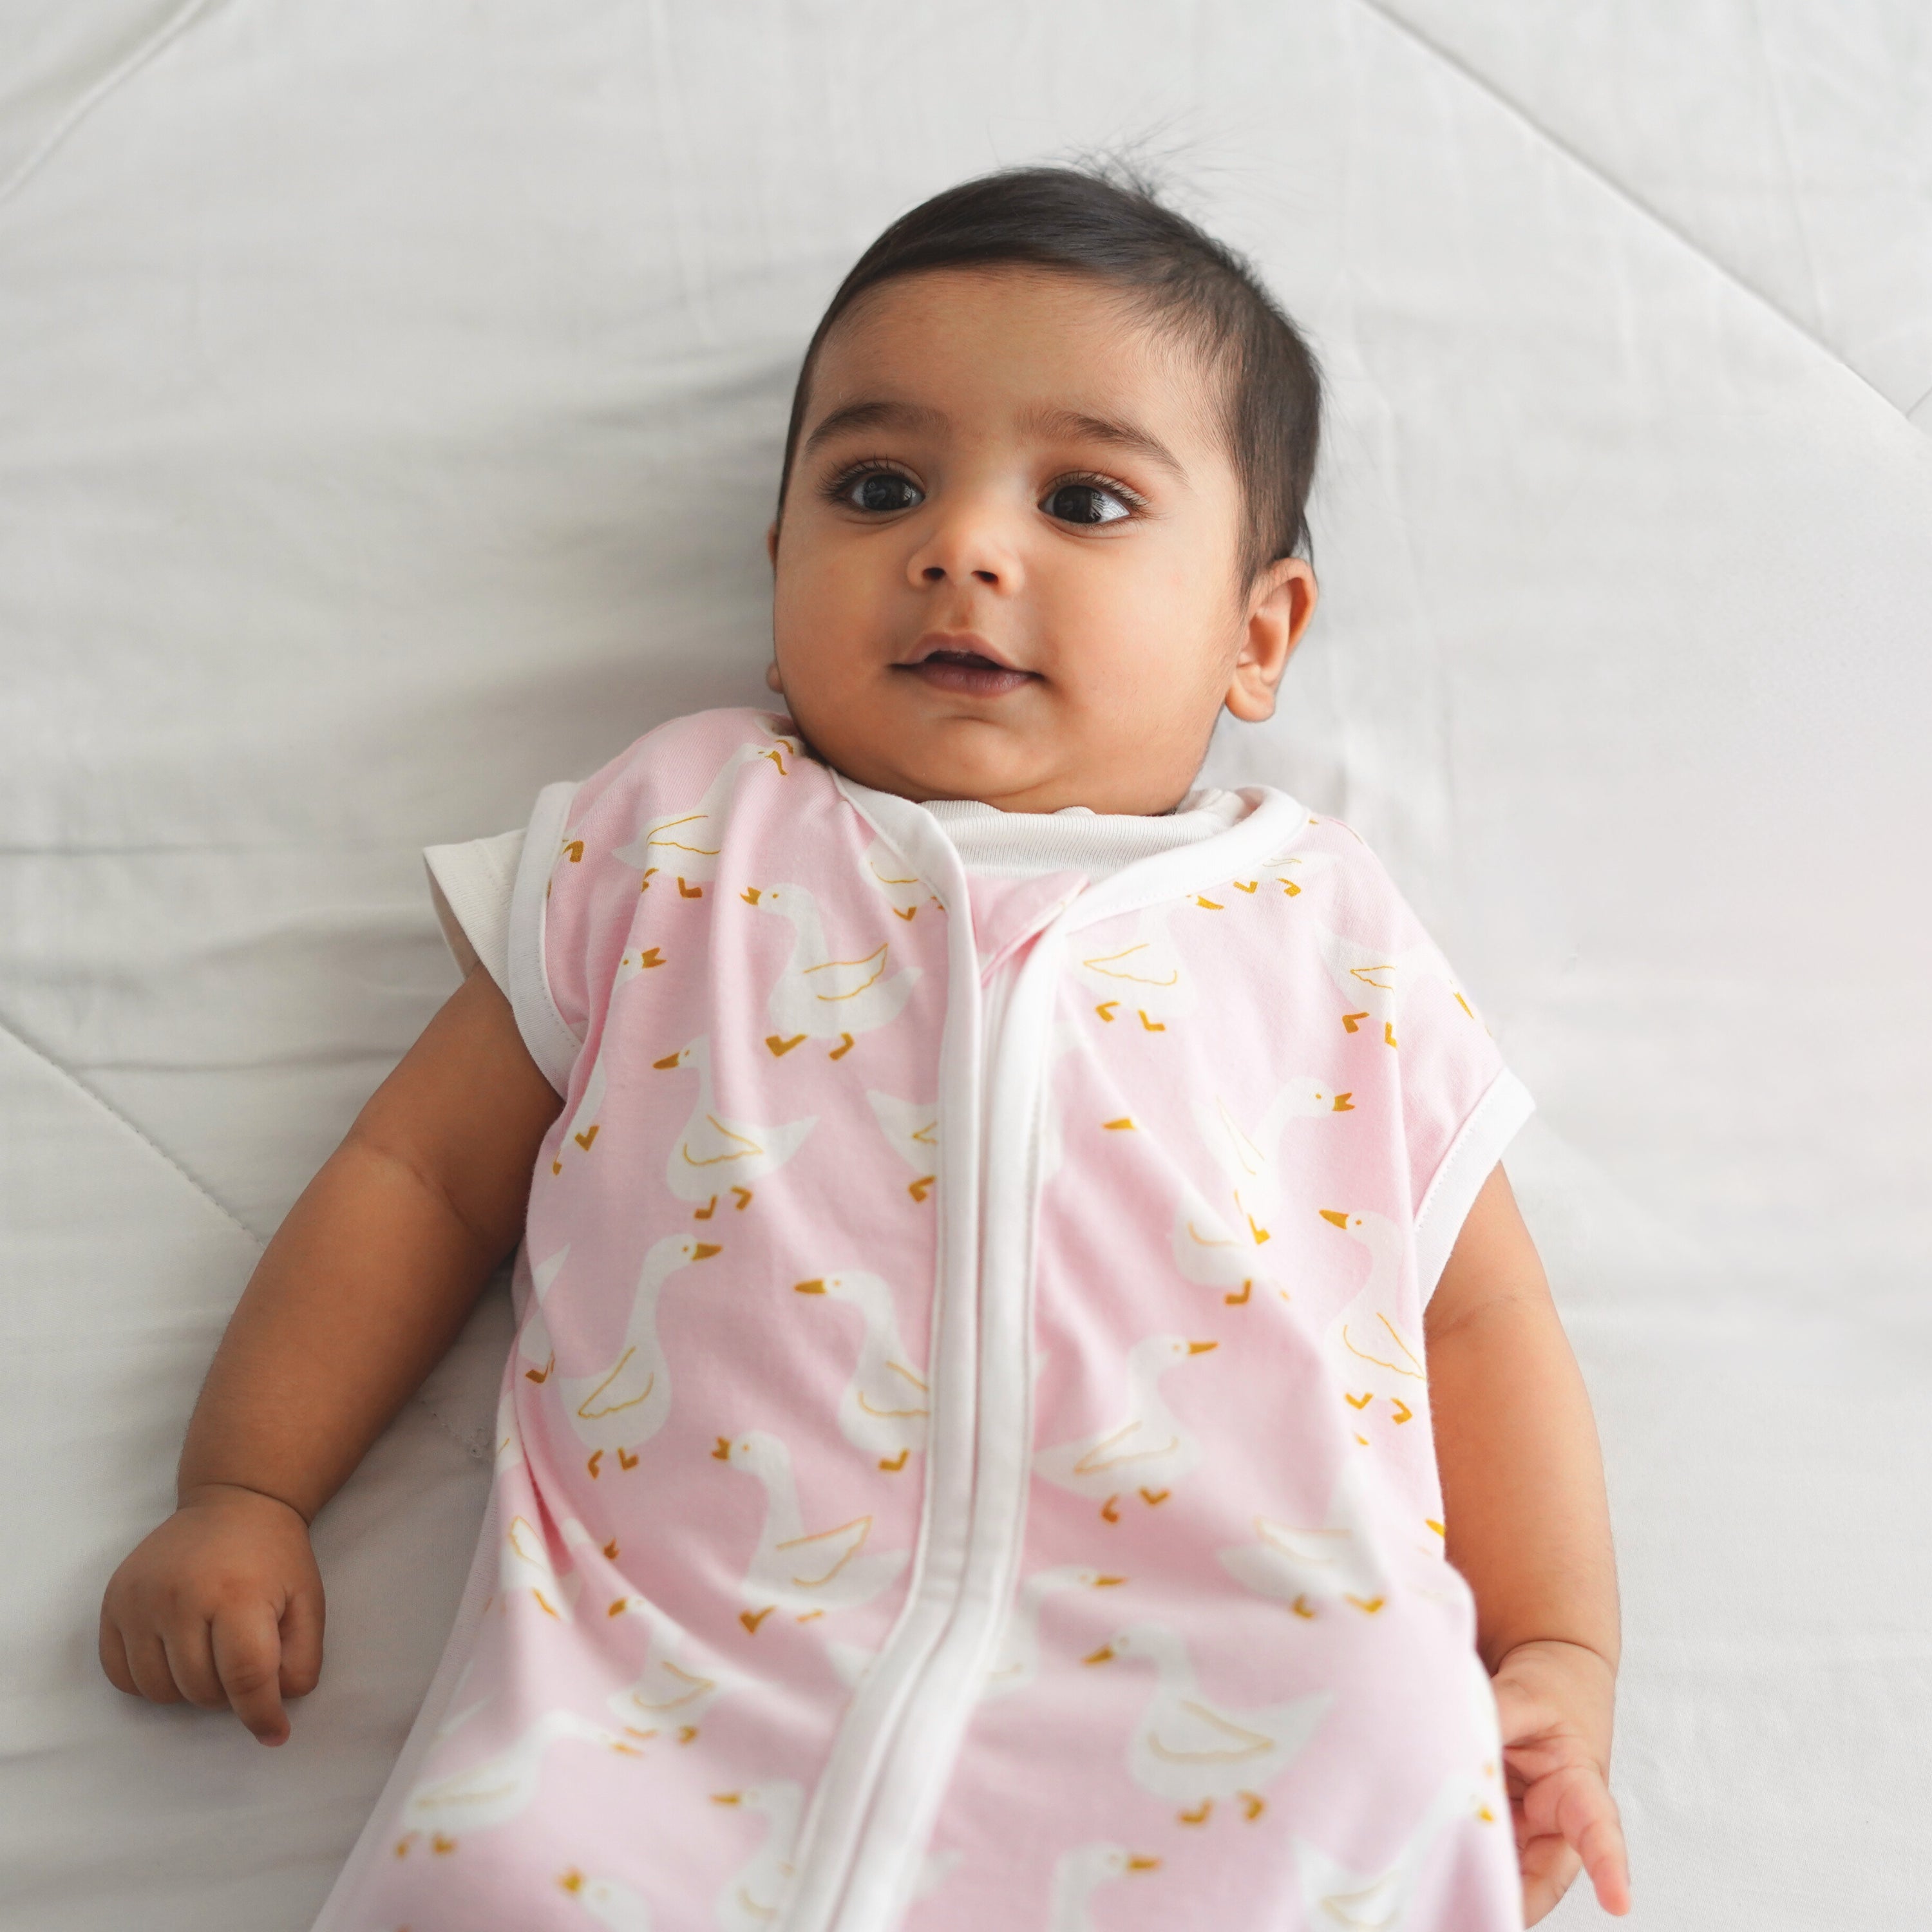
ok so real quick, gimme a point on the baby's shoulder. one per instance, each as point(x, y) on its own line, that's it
point(1334, 871)
point(697, 747)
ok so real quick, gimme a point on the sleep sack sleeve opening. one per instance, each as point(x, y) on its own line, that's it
point(1472, 1156)
point(470, 885)
point(551, 1042)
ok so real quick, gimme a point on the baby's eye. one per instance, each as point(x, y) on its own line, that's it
point(1085, 503)
point(881, 491)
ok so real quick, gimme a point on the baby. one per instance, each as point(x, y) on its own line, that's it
point(985, 1206)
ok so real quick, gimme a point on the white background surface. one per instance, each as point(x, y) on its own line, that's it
point(390, 402)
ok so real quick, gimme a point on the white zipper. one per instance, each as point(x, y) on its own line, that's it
point(838, 1828)
point(873, 1809)
point(942, 1696)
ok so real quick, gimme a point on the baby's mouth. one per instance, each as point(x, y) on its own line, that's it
point(968, 673)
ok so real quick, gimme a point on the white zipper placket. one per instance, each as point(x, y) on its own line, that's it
point(1016, 1010)
point(838, 1826)
point(873, 1811)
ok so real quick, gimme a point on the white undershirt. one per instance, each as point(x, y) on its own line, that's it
point(1025, 844)
point(471, 882)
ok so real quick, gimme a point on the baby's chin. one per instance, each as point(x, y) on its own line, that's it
point(1001, 774)
point(1024, 753)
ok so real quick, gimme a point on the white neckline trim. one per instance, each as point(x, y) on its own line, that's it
point(1030, 844)
point(1274, 823)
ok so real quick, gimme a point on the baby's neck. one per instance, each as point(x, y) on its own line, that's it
point(1045, 800)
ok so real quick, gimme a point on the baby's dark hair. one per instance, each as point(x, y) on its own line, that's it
point(1108, 223)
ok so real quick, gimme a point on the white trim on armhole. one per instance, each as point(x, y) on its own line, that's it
point(552, 1044)
point(1459, 1178)
point(470, 885)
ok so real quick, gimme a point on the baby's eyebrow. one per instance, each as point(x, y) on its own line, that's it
point(878, 413)
point(1075, 425)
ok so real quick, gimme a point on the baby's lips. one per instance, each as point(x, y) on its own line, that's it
point(958, 646)
point(969, 677)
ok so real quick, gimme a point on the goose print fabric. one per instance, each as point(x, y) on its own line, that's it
point(966, 1458)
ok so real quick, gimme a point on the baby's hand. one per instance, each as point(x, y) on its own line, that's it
point(1553, 1701)
point(222, 1604)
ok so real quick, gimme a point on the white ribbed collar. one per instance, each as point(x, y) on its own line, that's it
point(1029, 845)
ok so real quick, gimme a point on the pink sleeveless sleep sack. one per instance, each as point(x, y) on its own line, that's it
point(966, 1463)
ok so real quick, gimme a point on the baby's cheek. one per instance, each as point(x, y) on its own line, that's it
point(1158, 675)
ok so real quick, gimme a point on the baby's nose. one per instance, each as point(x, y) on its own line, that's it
point(971, 547)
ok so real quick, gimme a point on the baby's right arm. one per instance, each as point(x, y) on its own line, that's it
point(355, 1300)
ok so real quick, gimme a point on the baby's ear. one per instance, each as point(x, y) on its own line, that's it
point(772, 543)
point(1278, 608)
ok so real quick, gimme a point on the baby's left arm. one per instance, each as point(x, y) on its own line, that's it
point(1529, 1527)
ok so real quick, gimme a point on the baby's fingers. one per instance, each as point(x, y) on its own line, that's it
point(301, 1642)
point(1549, 1865)
point(114, 1657)
point(247, 1645)
point(1606, 1860)
point(1575, 1802)
point(190, 1661)
point(148, 1665)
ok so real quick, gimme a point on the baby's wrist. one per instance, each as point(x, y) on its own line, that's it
point(193, 1495)
point(1565, 1682)
point(1564, 1653)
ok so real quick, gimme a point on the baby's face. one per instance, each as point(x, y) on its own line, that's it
point(1006, 569)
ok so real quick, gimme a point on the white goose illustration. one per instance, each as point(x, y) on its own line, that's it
point(885, 1405)
point(582, 1130)
point(904, 890)
point(1132, 972)
point(523, 1566)
point(1016, 1663)
point(1377, 1364)
point(1080, 1873)
point(461, 1714)
point(1296, 872)
point(913, 1131)
point(1376, 982)
point(1214, 1249)
point(617, 1409)
point(684, 845)
point(533, 1342)
point(757, 1892)
point(806, 1574)
point(491, 1793)
point(639, 960)
point(680, 1681)
point(1309, 1569)
point(509, 1437)
point(713, 1153)
point(610, 1902)
point(1371, 979)
point(587, 1121)
point(819, 997)
point(1192, 1752)
point(1336, 1898)
point(1218, 1243)
point(1147, 1452)
point(1250, 1163)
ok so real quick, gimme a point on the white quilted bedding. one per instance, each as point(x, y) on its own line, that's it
point(390, 400)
